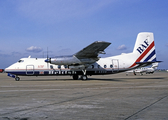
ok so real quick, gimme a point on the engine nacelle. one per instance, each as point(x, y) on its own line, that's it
point(64, 60)
point(70, 60)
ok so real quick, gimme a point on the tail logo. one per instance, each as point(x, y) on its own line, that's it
point(143, 46)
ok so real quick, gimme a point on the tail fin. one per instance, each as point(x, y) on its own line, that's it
point(144, 49)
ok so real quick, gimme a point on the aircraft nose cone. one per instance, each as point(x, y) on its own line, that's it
point(6, 70)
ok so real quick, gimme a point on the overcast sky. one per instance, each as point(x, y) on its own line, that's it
point(29, 27)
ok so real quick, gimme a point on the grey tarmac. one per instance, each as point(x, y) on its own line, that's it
point(106, 97)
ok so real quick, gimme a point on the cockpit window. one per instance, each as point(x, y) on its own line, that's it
point(20, 61)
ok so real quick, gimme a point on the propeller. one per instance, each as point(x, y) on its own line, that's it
point(48, 60)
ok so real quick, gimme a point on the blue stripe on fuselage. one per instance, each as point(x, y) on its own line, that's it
point(23, 73)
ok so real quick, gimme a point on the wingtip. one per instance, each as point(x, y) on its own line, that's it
point(102, 42)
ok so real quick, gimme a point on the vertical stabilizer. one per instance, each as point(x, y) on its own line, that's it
point(143, 41)
point(144, 48)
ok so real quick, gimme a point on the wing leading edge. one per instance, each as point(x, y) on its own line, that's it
point(93, 50)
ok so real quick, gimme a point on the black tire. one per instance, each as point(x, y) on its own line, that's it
point(75, 77)
point(84, 77)
point(17, 78)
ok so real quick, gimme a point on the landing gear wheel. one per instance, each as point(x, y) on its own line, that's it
point(17, 78)
point(84, 77)
point(75, 77)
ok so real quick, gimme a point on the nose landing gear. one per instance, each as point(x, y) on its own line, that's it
point(17, 78)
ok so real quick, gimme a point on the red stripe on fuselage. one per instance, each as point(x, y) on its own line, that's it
point(143, 54)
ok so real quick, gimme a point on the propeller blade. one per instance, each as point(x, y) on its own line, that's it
point(48, 60)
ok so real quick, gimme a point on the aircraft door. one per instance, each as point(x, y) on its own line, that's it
point(115, 64)
point(30, 70)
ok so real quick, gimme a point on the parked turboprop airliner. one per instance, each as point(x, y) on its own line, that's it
point(87, 62)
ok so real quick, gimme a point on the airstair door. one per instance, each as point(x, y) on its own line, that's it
point(115, 64)
point(30, 69)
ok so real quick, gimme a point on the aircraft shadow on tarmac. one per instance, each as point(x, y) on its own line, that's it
point(100, 79)
point(147, 78)
point(122, 79)
point(89, 79)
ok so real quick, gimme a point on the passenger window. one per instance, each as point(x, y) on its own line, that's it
point(51, 67)
point(65, 66)
point(105, 66)
point(111, 66)
point(92, 66)
point(98, 66)
point(59, 66)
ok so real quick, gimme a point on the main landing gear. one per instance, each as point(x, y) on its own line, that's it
point(83, 77)
point(75, 77)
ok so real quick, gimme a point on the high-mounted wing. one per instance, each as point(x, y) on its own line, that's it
point(93, 50)
point(86, 56)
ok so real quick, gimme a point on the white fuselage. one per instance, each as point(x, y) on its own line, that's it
point(38, 66)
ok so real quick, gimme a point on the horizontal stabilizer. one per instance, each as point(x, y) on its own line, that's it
point(147, 63)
